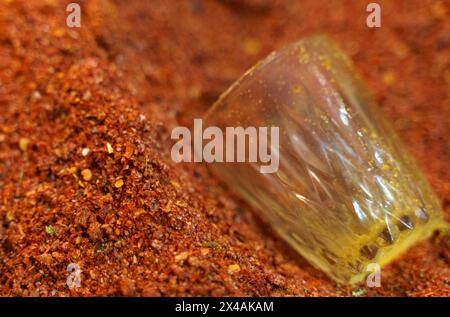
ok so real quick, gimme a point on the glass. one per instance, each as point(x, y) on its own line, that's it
point(346, 193)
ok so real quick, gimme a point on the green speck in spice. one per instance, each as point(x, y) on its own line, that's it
point(50, 230)
point(212, 245)
point(359, 292)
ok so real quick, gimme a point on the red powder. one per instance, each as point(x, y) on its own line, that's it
point(85, 121)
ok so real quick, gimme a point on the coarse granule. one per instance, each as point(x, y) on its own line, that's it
point(143, 225)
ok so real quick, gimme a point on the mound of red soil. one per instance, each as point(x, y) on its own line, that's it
point(85, 121)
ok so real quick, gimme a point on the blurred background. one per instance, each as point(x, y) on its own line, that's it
point(136, 223)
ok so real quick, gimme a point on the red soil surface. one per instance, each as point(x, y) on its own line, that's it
point(135, 222)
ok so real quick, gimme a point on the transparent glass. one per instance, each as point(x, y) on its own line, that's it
point(346, 193)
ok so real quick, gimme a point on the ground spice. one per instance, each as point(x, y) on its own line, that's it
point(117, 86)
point(87, 174)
